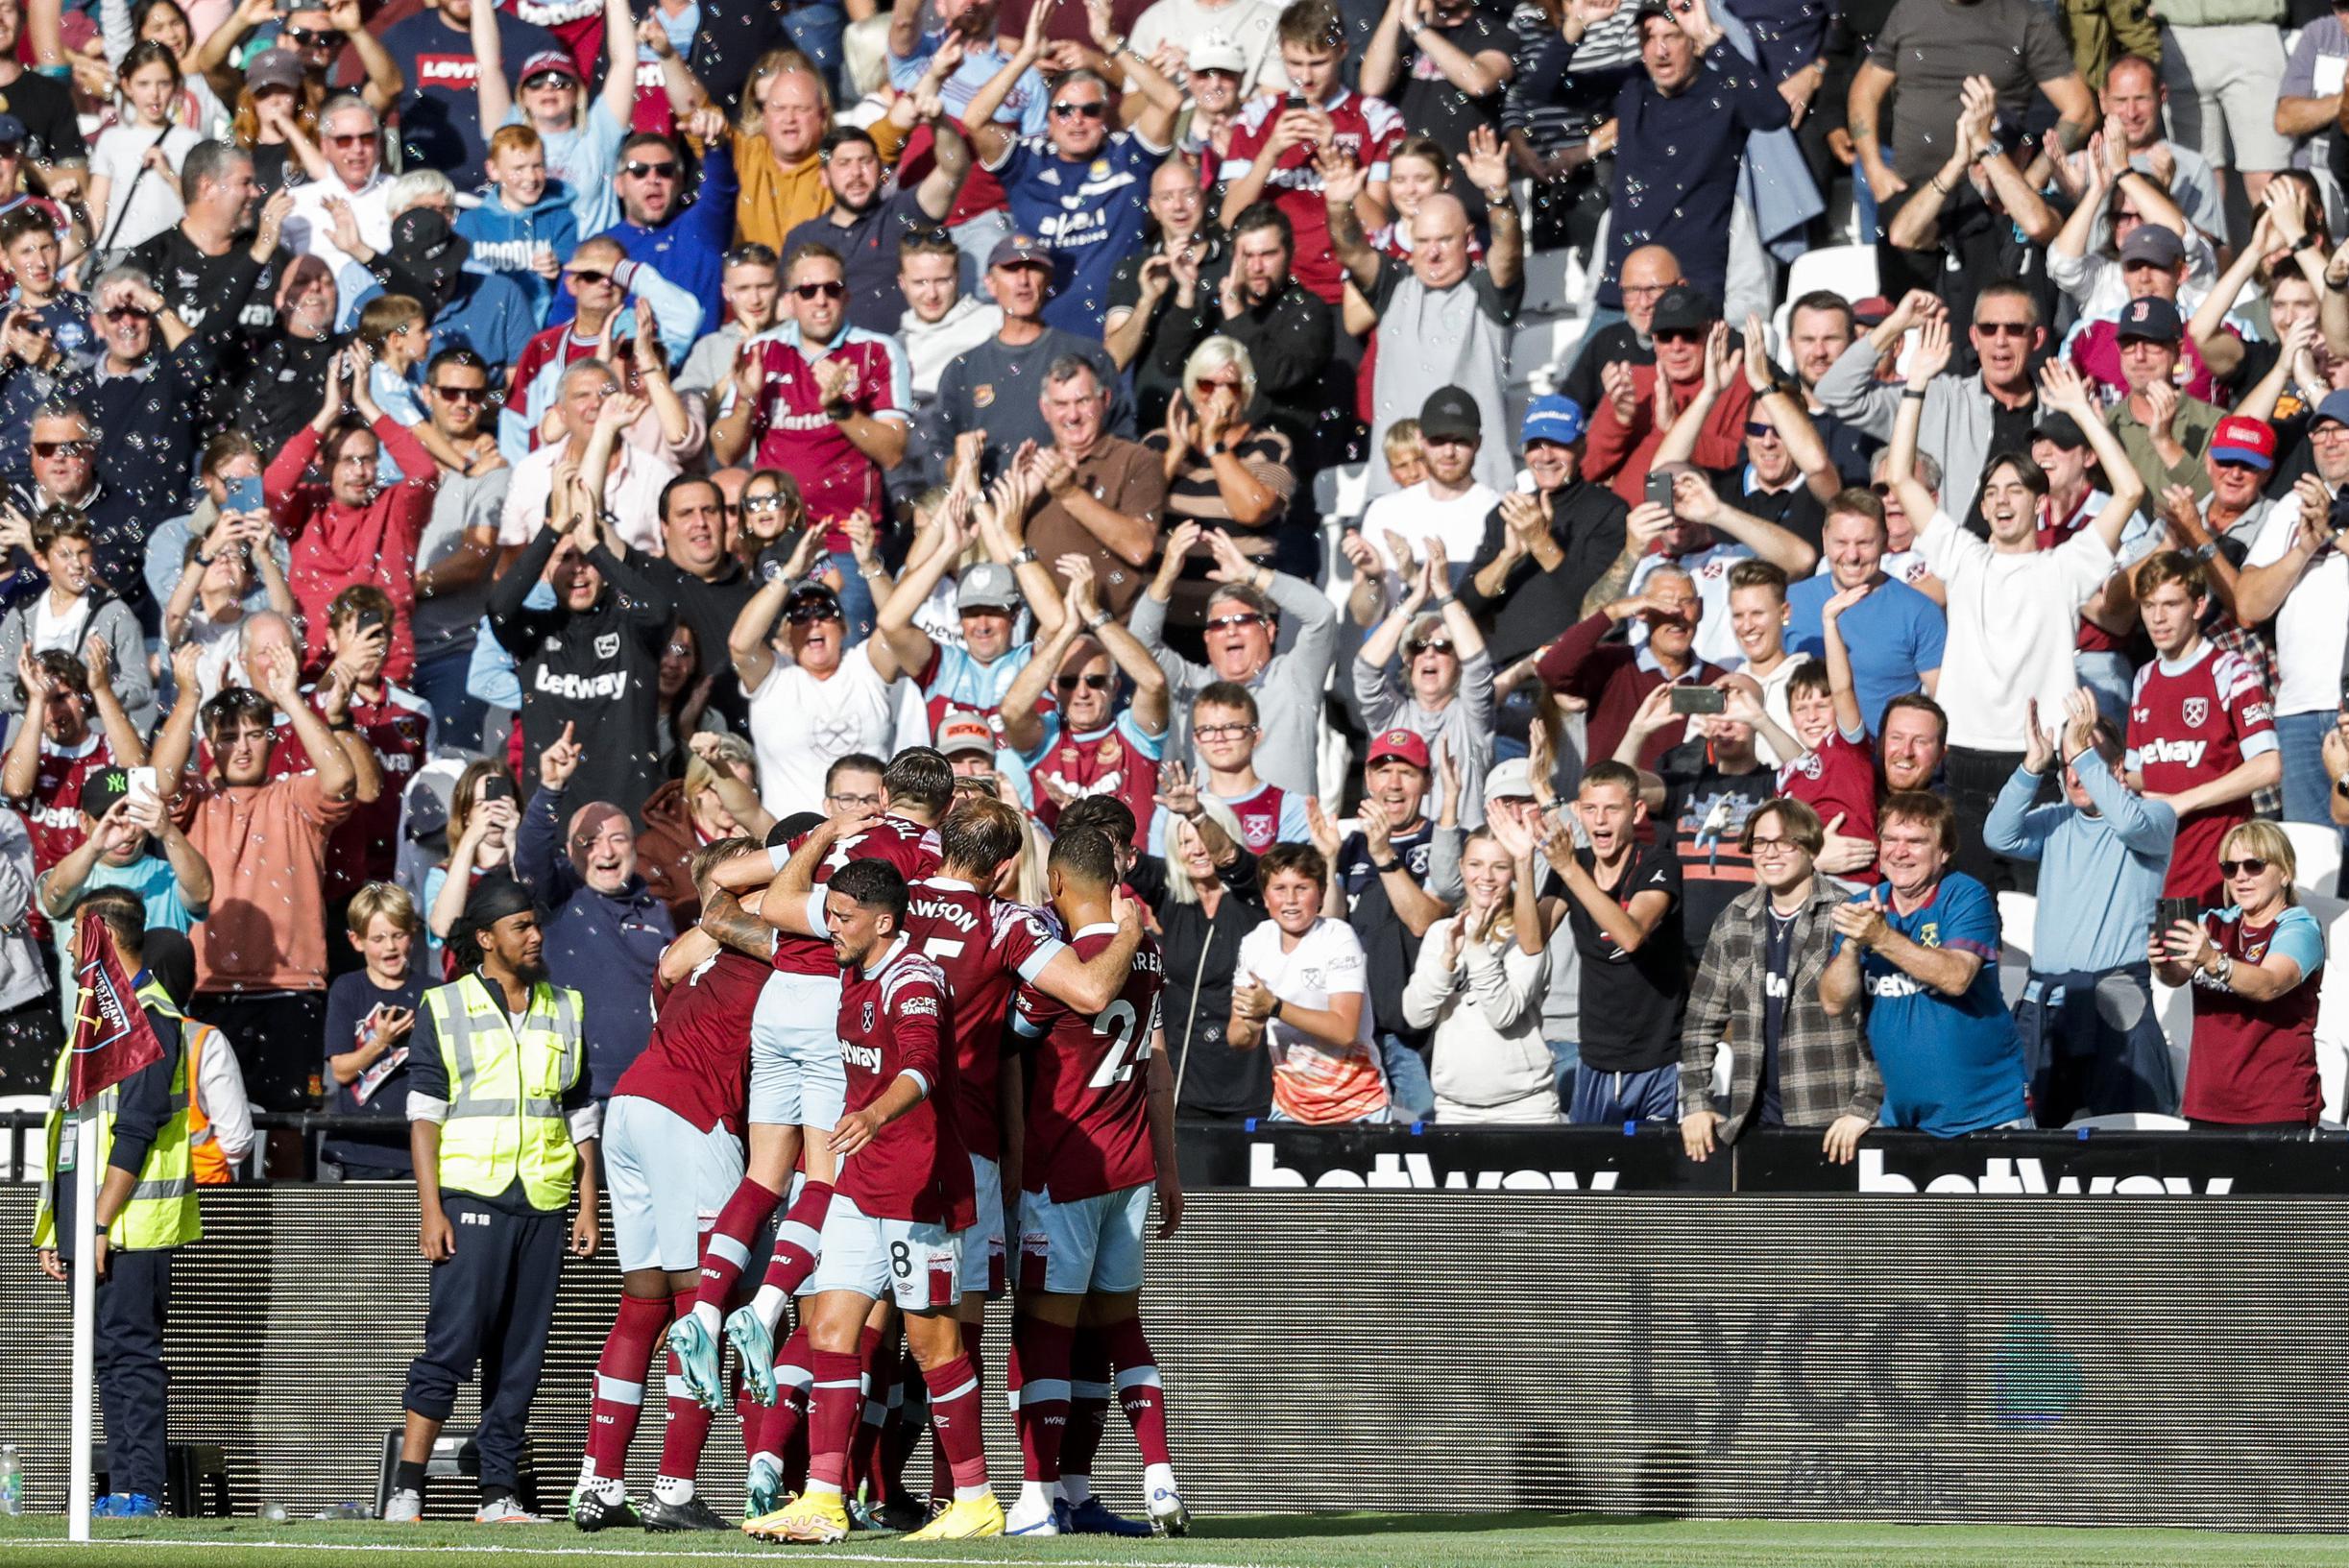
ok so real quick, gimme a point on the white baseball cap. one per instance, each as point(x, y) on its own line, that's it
point(1216, 52)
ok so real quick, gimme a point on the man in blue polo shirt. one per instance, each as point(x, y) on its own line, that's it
point(1924, 946)
point(1081, 189)
point(1893, 635)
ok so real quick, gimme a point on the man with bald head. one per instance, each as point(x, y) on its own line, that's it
point(604, 927)
point(1441, 321)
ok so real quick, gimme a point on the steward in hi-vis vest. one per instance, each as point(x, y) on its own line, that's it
point(503, 1132)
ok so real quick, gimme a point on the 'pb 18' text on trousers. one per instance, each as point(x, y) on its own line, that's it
point(492, 1304)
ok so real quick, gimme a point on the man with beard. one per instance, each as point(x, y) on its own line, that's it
point(866, 226)
point(1087, 742)
point(1819, 328)
point(494, 1191)
point(1080, 188)
point(1966, 418)
point(607, 928)
point(1543, 551)
point(353, 527)
point(1447, 511)
point(1290, 334)
point(589, 666)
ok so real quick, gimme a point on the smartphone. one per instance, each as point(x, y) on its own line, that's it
point(1699, 699)
point(2170, 912)
point(1293, 100)
point(244, 495)
point(368, 620)
point(497, 788)
point(1659, 490)
point(142, 785)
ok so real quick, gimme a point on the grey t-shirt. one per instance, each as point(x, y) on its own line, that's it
point(1934, 45)
point(448, 623)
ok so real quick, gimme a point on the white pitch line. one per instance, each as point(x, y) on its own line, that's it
point(798, 1554)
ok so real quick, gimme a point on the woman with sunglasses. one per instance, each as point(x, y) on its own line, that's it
point(1224, 470)
point(1444, 692)
point(771, 508)
point(2255, 967)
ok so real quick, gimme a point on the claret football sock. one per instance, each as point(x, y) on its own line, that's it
point(619, 1383)
point(726, 1251)
point(1140, 1391)
point(798, 1238)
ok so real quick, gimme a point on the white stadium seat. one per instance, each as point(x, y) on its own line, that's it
point(2317, 848)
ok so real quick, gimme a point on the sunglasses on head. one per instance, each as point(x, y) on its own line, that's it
point(463, 395)
point(1070, 111)
point(1223, 624)
point(2250, 866)
point(2003, 330)
point(1091, 683)
point(647, 171)
point(820, 291)
point(810, 611)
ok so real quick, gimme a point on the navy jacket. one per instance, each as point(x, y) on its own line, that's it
point(603, 946)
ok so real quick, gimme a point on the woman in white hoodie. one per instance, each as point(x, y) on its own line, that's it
point(1478, 985)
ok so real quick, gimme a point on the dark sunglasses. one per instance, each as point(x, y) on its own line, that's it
point(545, 78)
point(1679, 334)
point(308, 39)
point(463, 395)
point(2003, 330)
point(11, 149)
point(1439, 644)
point(358, 139)
point(647, 171)
point(128, 313)
point(1091, 683)
point(1225, 622)
point(1760, 431)
point(592, 275)
point(808, 613)
point(2250, 867)
point(820, 291)
point(1070, 111)
point(63, 448)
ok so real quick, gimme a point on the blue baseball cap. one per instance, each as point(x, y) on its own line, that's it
point(1554, 417)
point(2334, 408)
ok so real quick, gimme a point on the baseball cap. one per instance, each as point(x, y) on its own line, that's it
point(1553, 417)
point(549, 60)
point(2154, 320)
point(1871, 310)
point(1449, 411)
point(2242, 440)
point(1513, 780)
point(1018, 251)
point(1216, 52)
point(811, 589)
point(2334, 408)
point(102, 789)
point(965, 732)
point(987, 585)
point(2152, 244)
point(275, 68)
point(1682, 310)
point(1406, 744)
point(2061, 429)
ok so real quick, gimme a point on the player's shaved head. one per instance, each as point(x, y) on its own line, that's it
point(919, 783)
point(1084, 858)
point(979, 834)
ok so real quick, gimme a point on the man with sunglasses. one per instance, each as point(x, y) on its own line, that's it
point(1086, 742)
point(1624, 434)
point(350, 139)
point(68, 471)
point(1082, 188)
point(147, 389)
point(684, 241)
point(597, 280)
point(285, 371)
point(458, 546)
point(1966, 418)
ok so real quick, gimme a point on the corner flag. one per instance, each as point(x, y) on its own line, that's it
point(111, 1037)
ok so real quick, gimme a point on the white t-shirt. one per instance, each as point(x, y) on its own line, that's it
point(2310, 627)
point(1247, 23)
point(800, 726)
point(134, 216)
point(1419, 516)
point(2013, 624)
point(1326, 961)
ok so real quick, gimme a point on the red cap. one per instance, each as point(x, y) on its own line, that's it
point(1403, 743)
point(549, 60)
point(2242, 440)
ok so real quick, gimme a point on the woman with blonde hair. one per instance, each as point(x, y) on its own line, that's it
point(1225, 469)
point(2256, 968)
point(1478, 987)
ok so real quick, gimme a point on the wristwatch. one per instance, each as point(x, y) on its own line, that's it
point(1097, 620)
point(1024, 555)
point(1391, 864)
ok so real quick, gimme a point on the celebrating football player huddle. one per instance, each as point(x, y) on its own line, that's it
point(918, 1061)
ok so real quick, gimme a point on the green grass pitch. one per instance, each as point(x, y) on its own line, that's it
point(1507, 1540)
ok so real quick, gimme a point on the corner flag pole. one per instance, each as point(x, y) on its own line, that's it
point(84, 1315)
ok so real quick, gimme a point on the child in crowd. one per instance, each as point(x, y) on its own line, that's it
point(524, 226)
point(371, 1015)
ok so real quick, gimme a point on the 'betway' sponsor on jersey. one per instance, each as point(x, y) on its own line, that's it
point(611, 684)
point(1418, 1172)
point(2029, 1177)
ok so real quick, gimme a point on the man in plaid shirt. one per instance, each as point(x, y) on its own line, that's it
point(1791, 1063)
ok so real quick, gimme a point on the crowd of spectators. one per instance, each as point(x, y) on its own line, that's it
point(442, 446)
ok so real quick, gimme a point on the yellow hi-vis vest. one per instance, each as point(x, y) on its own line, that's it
point(505, 1091)
point(162, 1209)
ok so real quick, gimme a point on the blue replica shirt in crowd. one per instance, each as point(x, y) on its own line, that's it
point(1951, 1065)
point(1893, 635)
point(1091, 215)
